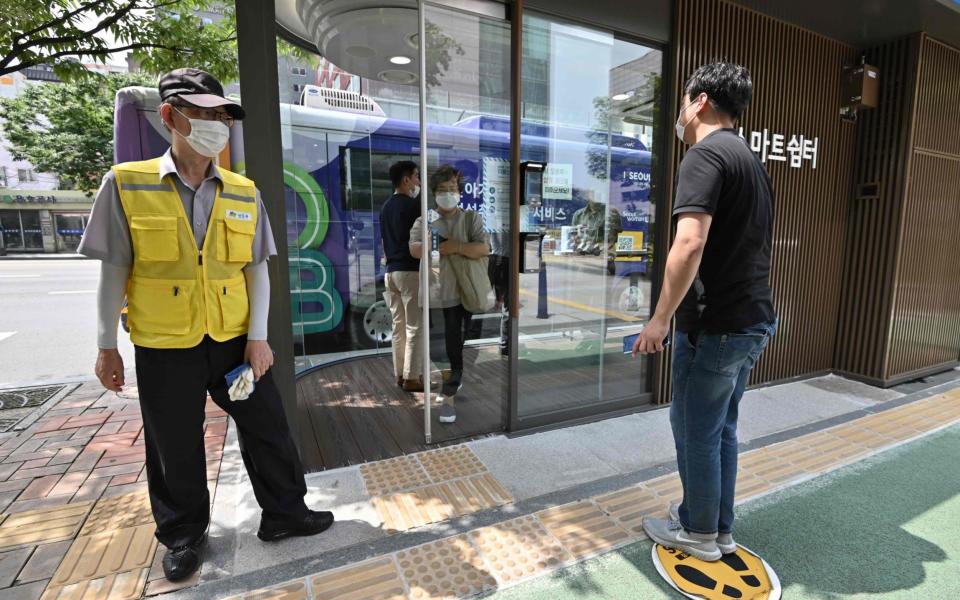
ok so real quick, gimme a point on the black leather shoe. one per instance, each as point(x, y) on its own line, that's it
point(316, 521)
point(183, 561)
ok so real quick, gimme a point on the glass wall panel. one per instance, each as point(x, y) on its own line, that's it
point(589, 116)
point(467, 133)
point(12, 230)
point(69, 231)
point(32, 233)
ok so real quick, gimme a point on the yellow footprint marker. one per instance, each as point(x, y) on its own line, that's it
point(741, 576)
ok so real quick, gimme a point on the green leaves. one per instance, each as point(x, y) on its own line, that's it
point(161, 34)
point(67, 128)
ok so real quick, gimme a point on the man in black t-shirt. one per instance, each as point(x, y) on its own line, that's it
point(402, 279)
point(717, 283)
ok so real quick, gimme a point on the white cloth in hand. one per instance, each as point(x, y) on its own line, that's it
point(242, 386)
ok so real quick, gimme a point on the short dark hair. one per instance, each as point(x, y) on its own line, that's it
point(401, 169)
point(728, 85)
point(443, 174)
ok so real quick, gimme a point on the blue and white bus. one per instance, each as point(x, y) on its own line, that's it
point(336, 164)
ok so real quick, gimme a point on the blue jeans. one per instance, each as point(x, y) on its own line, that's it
point(710, 373)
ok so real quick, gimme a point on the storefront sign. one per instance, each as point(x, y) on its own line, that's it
point(27, 199)
point(776, 147)
point(31, 198)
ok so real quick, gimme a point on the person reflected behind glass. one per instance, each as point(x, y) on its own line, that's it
point(402, 279)
point(458, 232)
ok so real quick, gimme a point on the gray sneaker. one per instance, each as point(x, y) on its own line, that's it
point(724, 540)
point(448, 414)
point(671, 534)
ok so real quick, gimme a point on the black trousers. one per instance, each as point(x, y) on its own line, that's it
point(456, 330)
point(173, 385)
point(498, 269)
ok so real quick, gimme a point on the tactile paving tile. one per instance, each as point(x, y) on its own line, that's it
point(668, 487)
point(447, 568)
point(394, 475)
point(583, 529)
point(629, 506)
point(110, 552)
point(854, 435)
point(519, 549)
point(119, 512)
point(435, 503)
point(43, 525)
point(116, 586)
point(451, 463)
point(376, 579)
point(749, 487)
point(292, 590)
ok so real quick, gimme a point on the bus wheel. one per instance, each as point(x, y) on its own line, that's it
point(373, 328)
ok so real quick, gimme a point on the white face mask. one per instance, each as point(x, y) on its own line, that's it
point(208, 138)
point(448, 200)
point(681, 128)
point(415, 191)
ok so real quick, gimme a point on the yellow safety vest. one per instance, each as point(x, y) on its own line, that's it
point(175, 294)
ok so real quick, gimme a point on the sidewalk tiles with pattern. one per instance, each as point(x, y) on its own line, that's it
point(76, 517)
point(526, 547)
point(78, 524)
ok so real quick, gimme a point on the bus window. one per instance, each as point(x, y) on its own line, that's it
point(365, 178)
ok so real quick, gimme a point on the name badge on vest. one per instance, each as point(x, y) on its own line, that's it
point(239, 215)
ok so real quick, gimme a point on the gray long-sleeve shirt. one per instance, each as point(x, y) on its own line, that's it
point(107, 237)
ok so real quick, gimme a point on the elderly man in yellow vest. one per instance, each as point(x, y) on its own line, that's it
point(187, 242)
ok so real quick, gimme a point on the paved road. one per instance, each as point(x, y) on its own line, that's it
point(48, 326)
point(48, 322)
point(888, 528)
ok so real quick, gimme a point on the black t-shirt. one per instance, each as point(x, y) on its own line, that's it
point(396, 219)
point(722, 177)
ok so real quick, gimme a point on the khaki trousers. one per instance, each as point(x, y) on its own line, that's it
point(403, 297)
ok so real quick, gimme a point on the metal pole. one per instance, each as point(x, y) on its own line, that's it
point(516, 55)
point(427, 239)
point(257, 54)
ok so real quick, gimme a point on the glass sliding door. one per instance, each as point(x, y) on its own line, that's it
point(466, 182)
point(590, 102)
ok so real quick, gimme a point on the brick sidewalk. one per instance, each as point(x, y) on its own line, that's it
point(76, 518)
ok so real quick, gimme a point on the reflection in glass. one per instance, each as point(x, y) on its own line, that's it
point(589, 114)
point(467, 136)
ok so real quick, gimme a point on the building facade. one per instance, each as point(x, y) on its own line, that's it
point(35, 215)
point(559, 116)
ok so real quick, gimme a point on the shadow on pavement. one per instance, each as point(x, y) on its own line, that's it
point(843, 534)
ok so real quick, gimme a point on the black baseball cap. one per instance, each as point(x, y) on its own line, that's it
point(199, 88)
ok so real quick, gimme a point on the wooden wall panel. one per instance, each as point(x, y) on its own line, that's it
point(900, 317)
point(938, 118)
point(925, 328)
point(796, 77)
point(874, 215)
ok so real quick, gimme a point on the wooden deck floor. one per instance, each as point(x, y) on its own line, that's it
point(353, 412)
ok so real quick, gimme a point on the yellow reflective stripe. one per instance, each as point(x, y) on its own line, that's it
point(145, 187)
point(230, 196)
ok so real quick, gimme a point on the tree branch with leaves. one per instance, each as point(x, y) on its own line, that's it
point(162, 35)
point(66, 129)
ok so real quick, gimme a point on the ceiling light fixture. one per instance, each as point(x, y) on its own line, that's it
point(400, 60)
